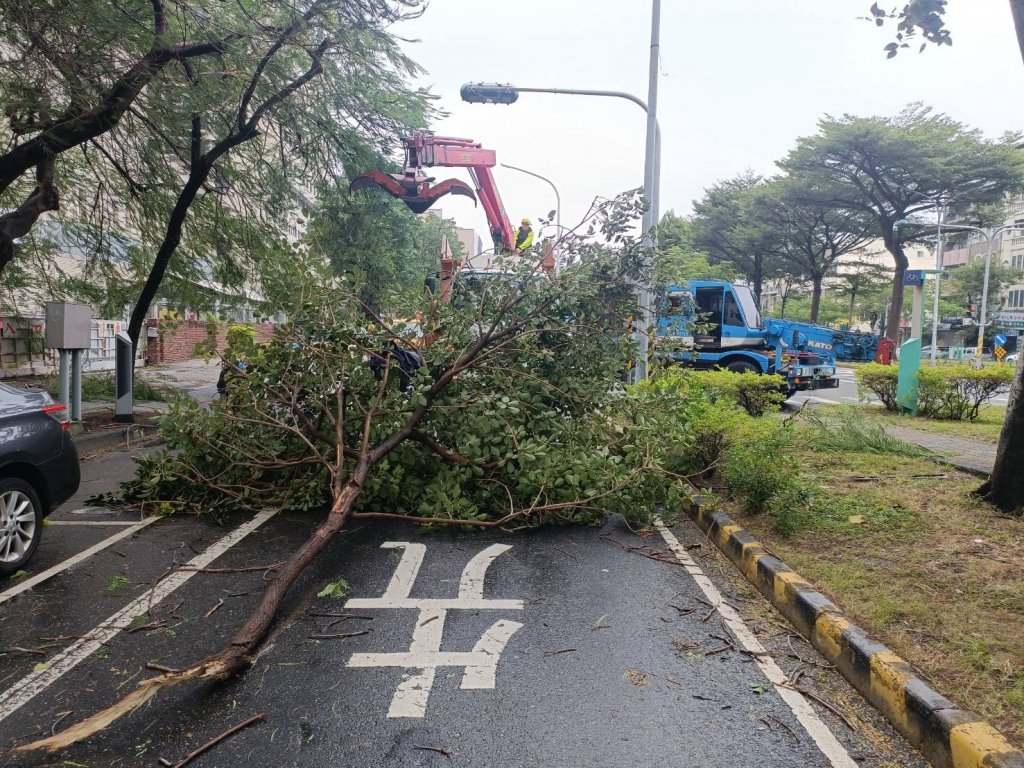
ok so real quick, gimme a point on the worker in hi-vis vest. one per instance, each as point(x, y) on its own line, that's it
point(524, 237)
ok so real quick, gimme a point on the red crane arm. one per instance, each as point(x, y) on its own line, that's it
point(424, 149)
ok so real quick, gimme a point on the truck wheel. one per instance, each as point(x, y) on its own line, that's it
point(741, 366)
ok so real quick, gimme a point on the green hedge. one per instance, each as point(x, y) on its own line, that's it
point(950, 392)
point(753, 392)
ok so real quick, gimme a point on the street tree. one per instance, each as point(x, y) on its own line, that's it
point(810, 234)
point(865, 284)
point(70, 73)
point(889, 168)
point(678, 260)
point(508, 420)
point(726, 229)
point(378, 243)
point(966, 283)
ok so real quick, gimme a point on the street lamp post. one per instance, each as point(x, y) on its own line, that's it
point(496, 93)
point(558, 198)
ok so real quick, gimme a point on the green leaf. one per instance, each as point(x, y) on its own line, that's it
point(336, 589)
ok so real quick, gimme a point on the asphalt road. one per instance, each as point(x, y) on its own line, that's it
point(559, 647)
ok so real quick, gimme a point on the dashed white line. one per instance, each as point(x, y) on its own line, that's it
point(818, 731)
point(75, 559)
point(59, 665)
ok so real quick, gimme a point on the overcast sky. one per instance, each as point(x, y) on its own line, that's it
point(741, 80)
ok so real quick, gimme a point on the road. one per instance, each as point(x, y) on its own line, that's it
point(560, 647)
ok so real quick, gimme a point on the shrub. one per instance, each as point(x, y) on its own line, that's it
point(763, 475)
point(880, 381)
point(753, 392)
point(953, 392)
point(957, 392)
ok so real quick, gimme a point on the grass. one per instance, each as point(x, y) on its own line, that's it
point(987, 426)
point(933, 573)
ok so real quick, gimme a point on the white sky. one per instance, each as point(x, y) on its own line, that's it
point(741, 81)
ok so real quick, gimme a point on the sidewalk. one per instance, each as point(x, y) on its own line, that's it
point(974, 456)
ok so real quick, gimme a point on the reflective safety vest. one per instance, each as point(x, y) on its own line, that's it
point(524, 239)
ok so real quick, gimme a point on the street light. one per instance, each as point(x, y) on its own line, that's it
point(989, 235)
point(558, 205)
point(498, 93)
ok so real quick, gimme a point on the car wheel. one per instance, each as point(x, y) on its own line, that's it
point(21, 524)
point(740, 366)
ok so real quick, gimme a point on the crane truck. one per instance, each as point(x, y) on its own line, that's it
point(708, 324)
point(704, 323)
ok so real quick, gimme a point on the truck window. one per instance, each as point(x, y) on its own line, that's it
point(732, 311)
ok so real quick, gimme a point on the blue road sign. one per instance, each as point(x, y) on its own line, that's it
point(999, 340)
point(913, 277)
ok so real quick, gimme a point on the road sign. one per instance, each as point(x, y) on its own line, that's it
point(999, 340)
point(1000, 353)
point(913, 277)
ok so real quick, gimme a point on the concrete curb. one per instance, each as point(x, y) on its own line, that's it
point(950, 737)
point(98, 440)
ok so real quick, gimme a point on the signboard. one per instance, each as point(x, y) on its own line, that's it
point(999, 340)
point(913, 277)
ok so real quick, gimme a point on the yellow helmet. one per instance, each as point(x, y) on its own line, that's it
point(526, 222)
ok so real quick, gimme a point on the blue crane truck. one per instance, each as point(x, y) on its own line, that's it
point(713, 324)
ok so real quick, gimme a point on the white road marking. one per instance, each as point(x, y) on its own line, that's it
point(92, 511)
point(424, 654)
point(59, 665)
point(818, 731)
point(39, 578)
point(107, 523)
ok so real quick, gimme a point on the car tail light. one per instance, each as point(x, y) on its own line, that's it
point(59, 413)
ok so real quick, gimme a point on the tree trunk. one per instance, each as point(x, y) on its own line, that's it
point(853, 304)
point(19, 222)
point(1005, 489)
point(892, 326)
point(757, 278)
point(815, 298)
point(1017, 9)
point(172, 237)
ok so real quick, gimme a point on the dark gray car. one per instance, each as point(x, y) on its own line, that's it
point(38, 470)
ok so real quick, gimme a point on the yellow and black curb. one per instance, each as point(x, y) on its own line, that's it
point(950, 737)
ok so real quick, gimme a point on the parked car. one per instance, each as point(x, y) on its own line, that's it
point(1012, 359)
point(38, 470)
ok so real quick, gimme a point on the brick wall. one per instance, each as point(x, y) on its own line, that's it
point(174, 341)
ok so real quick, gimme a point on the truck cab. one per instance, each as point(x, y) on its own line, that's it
point(714, 324)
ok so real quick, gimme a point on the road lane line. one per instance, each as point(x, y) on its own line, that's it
point(39, 578)
point(108, 523)
point(818, 731)
point(56, 667)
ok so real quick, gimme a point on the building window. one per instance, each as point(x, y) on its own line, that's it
point(1017, 261)
point(1015, 299)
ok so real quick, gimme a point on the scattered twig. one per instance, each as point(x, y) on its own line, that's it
point(568, 554)
point(156, 624)
point(19, 649)
point(785, 727)
point(160, 667)
point(339, 616)
point(704, 698)
point(599, 624)
point(682, 611)
point(662, 677)
point(439, 750)
point(251, 569)
point(53, 728)
point(209, 613)
point(218, 739)
point(340, 635)
point(427, 621)
point(709, 614)
point(564, 650)
point(822, 702)
point(653, 554)
point(720, 649)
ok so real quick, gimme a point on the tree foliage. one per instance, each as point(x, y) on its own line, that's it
point(726, 229)
point(889, 168)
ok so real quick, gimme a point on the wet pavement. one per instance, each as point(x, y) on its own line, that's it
point(560, 647)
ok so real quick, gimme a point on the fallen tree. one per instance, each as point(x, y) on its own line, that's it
point(514, 416)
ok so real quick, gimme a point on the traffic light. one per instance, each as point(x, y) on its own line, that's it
point(489, 93)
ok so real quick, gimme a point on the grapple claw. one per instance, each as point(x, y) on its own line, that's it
point(417, 193)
